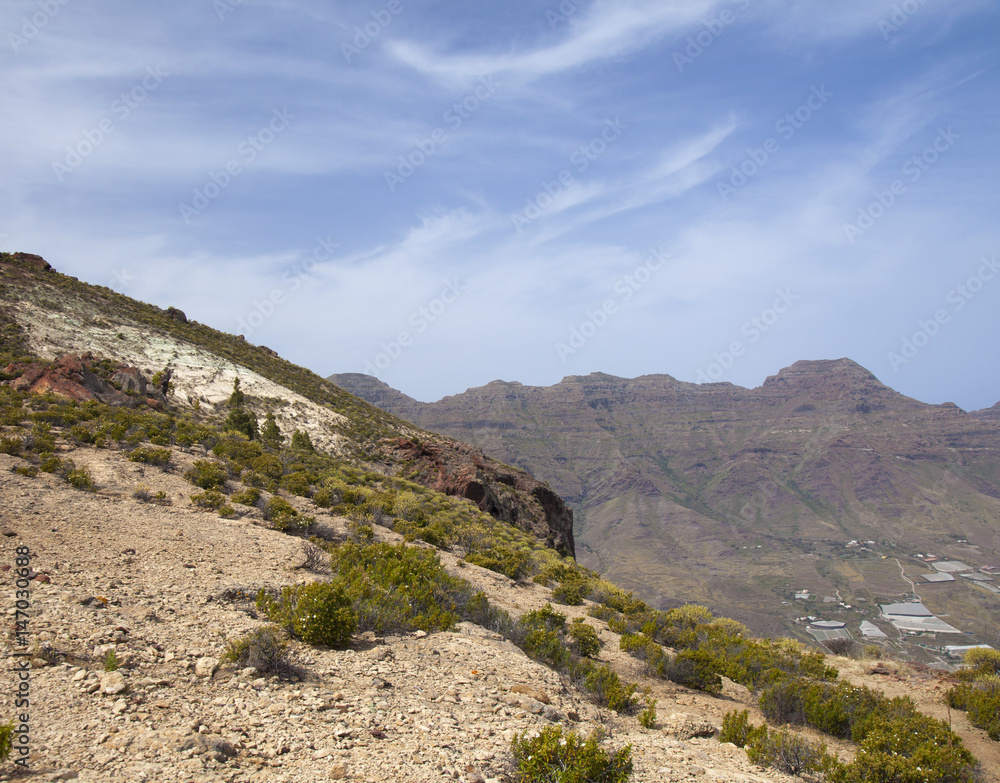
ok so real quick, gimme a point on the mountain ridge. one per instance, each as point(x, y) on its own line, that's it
point(674, 483)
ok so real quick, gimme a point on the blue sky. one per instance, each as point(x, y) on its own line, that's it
point(448, 193)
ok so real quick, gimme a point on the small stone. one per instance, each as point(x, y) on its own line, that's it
point(534, 693)
point(112, 683)
point(205, 667)
point(338, 772)
point(64, 774)
point(420, 634)
point(120, 706)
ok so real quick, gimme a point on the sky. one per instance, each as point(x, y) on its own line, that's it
point(444, 194)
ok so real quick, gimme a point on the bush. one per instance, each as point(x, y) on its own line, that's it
point(647, 718)
point(571, 591)
point(12, 446)
point(280, 513)
point(318, 613)
point(28, 471)
point(609, 690)
point(510, 562)
point(80, 478)
point(146, 496)
point(207, 474)
point(6, 740)
point(50, 463)
point(111, 662)
point(300, 440)
point(150, 455)
point(786, 751)
point(585, 638)
point(982, 660)
point(399, 588)
point(736, 728)
point(552, 756)
point(697, 669)
point(264, 649)
point(209, 499)
point(246, 497)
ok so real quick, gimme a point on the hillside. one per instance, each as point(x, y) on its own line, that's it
point(738, 498)
point(227, 569)
point(48, 316)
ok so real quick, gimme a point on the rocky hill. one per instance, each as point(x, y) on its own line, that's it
point(56, 325)
point(741, 497)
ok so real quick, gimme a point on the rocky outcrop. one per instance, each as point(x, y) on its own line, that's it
point(29, 259)
point(72, 376)
point(464, 471)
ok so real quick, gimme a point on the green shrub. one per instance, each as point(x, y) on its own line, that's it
point(736, 728)
point(28, 471)
point(297, 483)
point(785, 751)
point(319, 613)
point(300, 440)
point(246, 497)
point(571, 591)
point(150, 455)
point(111, 662)
point(647, 718)
point(280, 513)
point(697, 669)
point(609, 690)
point(209, 499)
point(398, 588)
point(980, 661)
point(12, 446)
point(80, 478)
point(585, 638)
point(506, 560)
point(50, 463)
point(981, 700)
point(553, 756)
point(264, 649)
point(207, 474)
point(6, 740)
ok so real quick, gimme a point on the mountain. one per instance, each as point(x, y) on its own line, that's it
point(737, 498)
point(228, 569)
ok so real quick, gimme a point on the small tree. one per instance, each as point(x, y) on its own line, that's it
point(240, 419)
point(300, 440)
point(270, 435)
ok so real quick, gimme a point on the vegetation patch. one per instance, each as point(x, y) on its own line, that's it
point(556, 756)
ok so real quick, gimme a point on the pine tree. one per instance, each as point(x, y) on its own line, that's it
point(240, 419)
